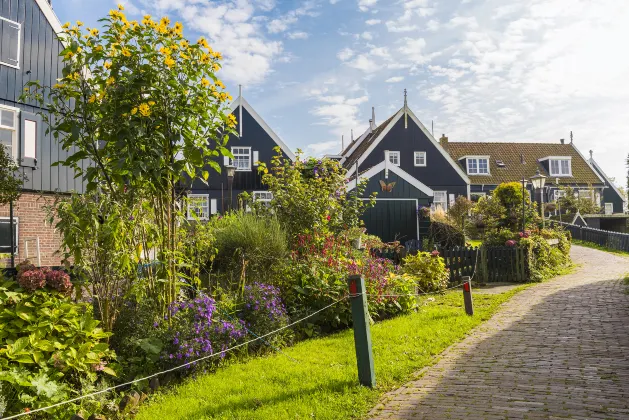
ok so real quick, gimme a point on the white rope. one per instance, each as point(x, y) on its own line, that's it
point(171, 369)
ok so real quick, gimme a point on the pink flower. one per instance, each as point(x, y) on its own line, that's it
point(510, 242)
point(435, 253)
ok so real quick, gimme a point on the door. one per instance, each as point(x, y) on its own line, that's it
point(609, 208)
point(392, 220)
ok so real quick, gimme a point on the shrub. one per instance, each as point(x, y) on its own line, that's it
point(50, 345)
point(445, 235)
point(263, 311)
point(59, 280)
point(32, 280)
point(546, 261)
point(458, 212)
point(428, 270)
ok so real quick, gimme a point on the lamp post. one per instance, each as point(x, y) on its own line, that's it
point(523, 204)
point(558, 200)
point(538, 180)
point(231, 170)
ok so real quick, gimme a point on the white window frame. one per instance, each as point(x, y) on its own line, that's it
point(16, 220)
point(19, 43)
point(15, 128)
point(207, 206)
point(558, 194)
point(558, 159)
point(589, 196)
point(268, 196)
point(393, 154)
point(444, 203)
point(233, 161)
point(419, 156)
point(607, 206)
point(468, 159)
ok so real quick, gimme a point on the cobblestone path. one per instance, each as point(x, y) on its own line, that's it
point(556, 350)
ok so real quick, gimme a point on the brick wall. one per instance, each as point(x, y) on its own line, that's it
point(32, 224)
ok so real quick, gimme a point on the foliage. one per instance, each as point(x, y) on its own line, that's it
point(249, 245)
point(572, 203)
point(312, 195)
point(316, 378)
point(429, 271)
point(503, 209)
point(145, 106)
point(509, 194)
point(546, 261)
point(49, 344)
point(445, 235)
point(458, 212)
point(10, 180)
point(488, 213)
point(263, 311)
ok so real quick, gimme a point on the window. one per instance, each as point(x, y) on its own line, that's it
point(476, 196)
point(420, 158)
point(8, 130)
point(262, 196)
point(586, 194)
point(609, 208)
point(478, 165)
point(5, 235)
point(440, 200)
point(558, 194)
point(242, 158)
point(560, 167)
point(394, 158)
point(199, 206)
point(10, 45)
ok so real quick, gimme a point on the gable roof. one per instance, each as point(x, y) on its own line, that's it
point(509, 154)
point(373, 139)
point(242, 101)
point(384, 165)
point(52, 18)
point(598, 169)
point(356, 149)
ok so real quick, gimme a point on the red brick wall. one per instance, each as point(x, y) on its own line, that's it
point(32, 223)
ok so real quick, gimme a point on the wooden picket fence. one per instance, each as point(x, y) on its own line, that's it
point(605, 238)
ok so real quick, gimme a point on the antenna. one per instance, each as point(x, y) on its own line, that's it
point(373, 115)
point(571, 139)
point(240, 109)
point(405, 111)
point(342, 143)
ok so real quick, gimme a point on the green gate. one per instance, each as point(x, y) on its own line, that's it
point(393, 219)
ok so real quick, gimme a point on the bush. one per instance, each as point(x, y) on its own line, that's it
point(546, 261)
point(248, 245)
point(428, 271)
point(445, 235)
point(50, 346)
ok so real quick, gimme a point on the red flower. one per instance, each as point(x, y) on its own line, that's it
point(510, 242)
point(435, 253)
point(328, 217)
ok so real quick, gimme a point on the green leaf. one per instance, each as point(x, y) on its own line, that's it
point(109, 371)
point(151, 345)
point(19, 345)
point(24, 358)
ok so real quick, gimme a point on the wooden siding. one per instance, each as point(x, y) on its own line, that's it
point(438, 173)
point(253, 136)
point(39, 55)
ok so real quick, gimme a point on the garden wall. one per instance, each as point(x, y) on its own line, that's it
point(31, 224)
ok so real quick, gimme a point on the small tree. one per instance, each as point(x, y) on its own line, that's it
point(459, 211)
point(572, 203)
point(10, 181)
point(311, 195)
point(144, 105)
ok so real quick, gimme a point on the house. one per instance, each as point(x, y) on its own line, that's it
point(254, 142)
point(614, 216)
point(30, 51)
point(408, 168)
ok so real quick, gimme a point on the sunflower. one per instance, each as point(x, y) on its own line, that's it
point(145, 110)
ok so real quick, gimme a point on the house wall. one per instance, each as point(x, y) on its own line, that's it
point(438, 173)
point(39, 60)
point(31, 214)
point(611, 196)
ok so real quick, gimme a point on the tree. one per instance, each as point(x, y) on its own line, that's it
point(144, 105)
point(311, 195)
point(10, 181)
point(572, 203)
point(458, 212)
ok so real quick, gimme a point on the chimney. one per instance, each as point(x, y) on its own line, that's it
point(373, 117)
point(370, 125)
point(562, 141)
point(443, 141)
point(591, 154)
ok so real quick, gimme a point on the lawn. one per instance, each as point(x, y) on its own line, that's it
point(321, 380)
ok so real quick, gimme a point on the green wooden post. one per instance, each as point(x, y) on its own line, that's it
point(362, 332)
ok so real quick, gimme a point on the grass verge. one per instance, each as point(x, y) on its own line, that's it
point(322, 383)
point(599, 247)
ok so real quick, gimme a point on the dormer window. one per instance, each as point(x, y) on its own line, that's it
point(477, 165)
point(560, 167)
point(394, 158)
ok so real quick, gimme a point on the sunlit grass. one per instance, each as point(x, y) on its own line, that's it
point(321, 382)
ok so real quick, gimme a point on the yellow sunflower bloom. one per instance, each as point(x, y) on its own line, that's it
point(215, 67)
point(134, 111)
point(110, 81)
point(165, 50)
point(151, 103)
point(92, 99)
point(94, 32)
point(126, 52)
point(98, 48)
point(79, 23)
point(58, 86)
point(145, 110)
point(164, 21)
point(66, 25)
point(178, 28)
point(120, 7)
point(169, 61)
point(203, 42)
point(217, 55)
point(69, 55)
point(220, 84)
point(206, 59)
point(205, 82)
point(184, 44)
point(107, 65)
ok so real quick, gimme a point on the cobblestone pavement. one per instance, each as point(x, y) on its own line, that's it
point(556, 350)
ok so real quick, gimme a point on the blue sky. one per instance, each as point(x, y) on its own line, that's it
point(482, 70)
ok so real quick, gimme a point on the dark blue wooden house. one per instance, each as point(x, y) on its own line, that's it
point(414, 169)
point(29, 50)
point(253, 142)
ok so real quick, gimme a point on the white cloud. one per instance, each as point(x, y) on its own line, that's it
point(412, 49)
point(397, 26)
point(432, 25)
point(452, 74)
point(365, 5)
point(345, 54)
point(298, 35)
point(340, 114)
point(367, 35)
point(372, 22)
point(284, 22)
point(364, 63)
point(395, 79)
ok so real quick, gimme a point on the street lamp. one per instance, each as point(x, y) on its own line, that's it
point(524, 182)
point(538, 180)
point(231, 170)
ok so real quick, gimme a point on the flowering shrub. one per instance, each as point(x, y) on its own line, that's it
point(195, 329)
point(59, 280)
point(263, 311)
point(511, 243)
point(428, 270)
point(32, 280)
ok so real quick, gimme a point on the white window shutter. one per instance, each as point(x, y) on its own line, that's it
point(255, 158)
point(213, 206)
point(30, 139)
point(225, 160)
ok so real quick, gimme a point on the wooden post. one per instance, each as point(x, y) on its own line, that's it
point(467, 296)
point(362, 332)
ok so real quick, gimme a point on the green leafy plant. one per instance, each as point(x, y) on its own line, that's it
point(48, 345)
point(571, 202)
point(428, 271)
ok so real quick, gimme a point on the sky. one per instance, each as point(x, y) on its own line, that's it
point(480, 70)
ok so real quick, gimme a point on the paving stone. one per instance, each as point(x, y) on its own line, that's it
point(557, 350)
